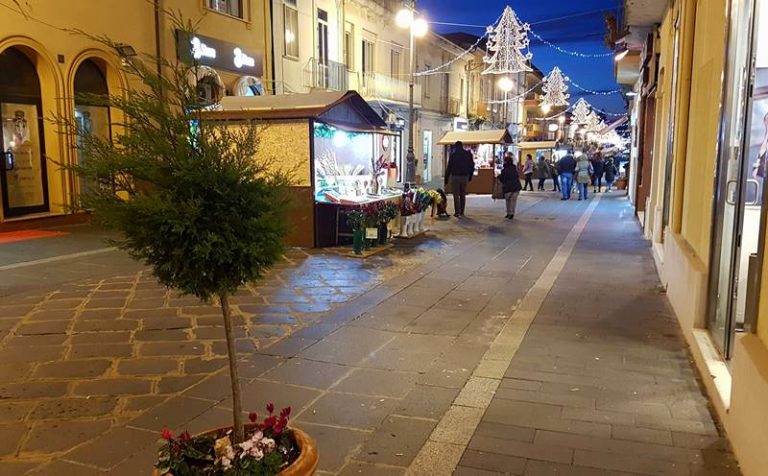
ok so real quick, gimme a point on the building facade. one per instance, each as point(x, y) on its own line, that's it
point(44, 66)
point(699, 74)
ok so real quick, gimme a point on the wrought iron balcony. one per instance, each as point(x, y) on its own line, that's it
point(326, 75)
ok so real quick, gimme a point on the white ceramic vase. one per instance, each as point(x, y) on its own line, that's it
point(403, 227)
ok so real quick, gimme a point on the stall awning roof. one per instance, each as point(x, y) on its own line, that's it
point(542, 144)
point(496, 136)
point(345, 109)
point(613, 125)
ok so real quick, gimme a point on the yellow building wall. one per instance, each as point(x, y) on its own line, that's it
point(701, 150)
point(45, 33)
point(656, 195)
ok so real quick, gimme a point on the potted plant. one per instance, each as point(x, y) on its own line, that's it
point(193, 201)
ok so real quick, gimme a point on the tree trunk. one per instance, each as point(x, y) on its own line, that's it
point(237, 399)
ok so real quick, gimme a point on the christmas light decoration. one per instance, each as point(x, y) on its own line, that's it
point(555, 89)
point(581, 111)
point(505, 43)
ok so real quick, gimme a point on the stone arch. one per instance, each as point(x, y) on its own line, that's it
point(52, 106)
point(116, 84)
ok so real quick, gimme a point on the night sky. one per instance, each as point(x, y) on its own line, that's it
point(583, 31)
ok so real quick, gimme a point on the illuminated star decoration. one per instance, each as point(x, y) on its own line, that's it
point(505, 44)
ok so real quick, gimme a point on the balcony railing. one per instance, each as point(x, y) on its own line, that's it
point(326, 75)
point(383, 87)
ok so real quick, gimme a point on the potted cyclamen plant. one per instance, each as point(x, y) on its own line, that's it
point(194, 201)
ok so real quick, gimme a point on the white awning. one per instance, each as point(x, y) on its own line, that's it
point(496, 136)
point(536, 145)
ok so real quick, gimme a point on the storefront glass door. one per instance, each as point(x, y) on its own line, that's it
point(739, 193)
point(23, 169)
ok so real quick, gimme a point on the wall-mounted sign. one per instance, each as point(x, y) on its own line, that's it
point(218, 54)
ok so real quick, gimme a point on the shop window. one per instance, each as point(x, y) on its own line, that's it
point(229, 7)
point(23, 177)
point(90, 119)
point(291, 21)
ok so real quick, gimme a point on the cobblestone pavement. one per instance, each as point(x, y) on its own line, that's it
point(371, 354)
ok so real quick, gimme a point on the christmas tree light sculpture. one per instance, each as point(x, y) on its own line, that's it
point(555, 89)
point(581, 111)
point(505, 44)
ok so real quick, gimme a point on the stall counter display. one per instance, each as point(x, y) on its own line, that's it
point(351, 167)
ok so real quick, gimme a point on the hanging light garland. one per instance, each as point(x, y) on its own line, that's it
point(568, 52)
point(596, 93)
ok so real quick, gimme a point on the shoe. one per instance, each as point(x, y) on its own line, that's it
point(510, 217)
point(563, 198)
point(506, 216)
point(457, 215)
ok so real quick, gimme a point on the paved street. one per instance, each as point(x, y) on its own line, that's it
point(541, 346)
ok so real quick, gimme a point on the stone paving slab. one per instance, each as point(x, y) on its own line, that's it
point(601, 382)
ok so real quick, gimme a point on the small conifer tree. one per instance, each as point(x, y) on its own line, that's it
point(190, 197)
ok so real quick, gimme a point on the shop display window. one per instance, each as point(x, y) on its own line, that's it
point(21, 140)
point(350, 167)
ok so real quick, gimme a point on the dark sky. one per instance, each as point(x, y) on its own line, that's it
point(582, 31)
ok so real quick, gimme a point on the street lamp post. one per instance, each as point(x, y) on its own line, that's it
point(506, 85)
point(417, 27)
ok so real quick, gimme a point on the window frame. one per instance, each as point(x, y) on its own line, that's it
point(243, 7)
point(291, 6)
point(349, 46)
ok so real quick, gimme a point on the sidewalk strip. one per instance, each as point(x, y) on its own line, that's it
point(441, 454)
point(53, 259)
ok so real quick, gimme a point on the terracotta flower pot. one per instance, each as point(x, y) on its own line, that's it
point(305, 464)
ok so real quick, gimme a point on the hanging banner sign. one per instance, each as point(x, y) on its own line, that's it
point(218, 54)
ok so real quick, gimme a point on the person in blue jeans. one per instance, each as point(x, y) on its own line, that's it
point(566, 168)
point(584, 173)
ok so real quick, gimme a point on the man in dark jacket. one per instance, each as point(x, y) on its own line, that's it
point(566, 167)
point(460, 169)
point(598, 166)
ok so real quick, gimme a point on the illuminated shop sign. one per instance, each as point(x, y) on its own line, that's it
point(218, 54)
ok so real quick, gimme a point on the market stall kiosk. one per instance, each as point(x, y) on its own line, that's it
point(333, 143)
point(537, 149)
point(487, 148)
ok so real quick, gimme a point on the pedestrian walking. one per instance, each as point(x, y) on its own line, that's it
point(510, 182)
point(583, 176)
point(598, 167)
point(555, 176)
point(610, 174)
point(528, 169)
point(459, 172)
point(542, 172)
point(566, 167)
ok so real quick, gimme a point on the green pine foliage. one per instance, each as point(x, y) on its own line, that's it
point(190, 196)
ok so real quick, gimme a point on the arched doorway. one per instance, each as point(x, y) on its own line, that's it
point(23, 178)
point(91, 120)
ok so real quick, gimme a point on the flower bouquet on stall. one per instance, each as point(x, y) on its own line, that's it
point(372, 218)
point(388, 212)
point(408, 210)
